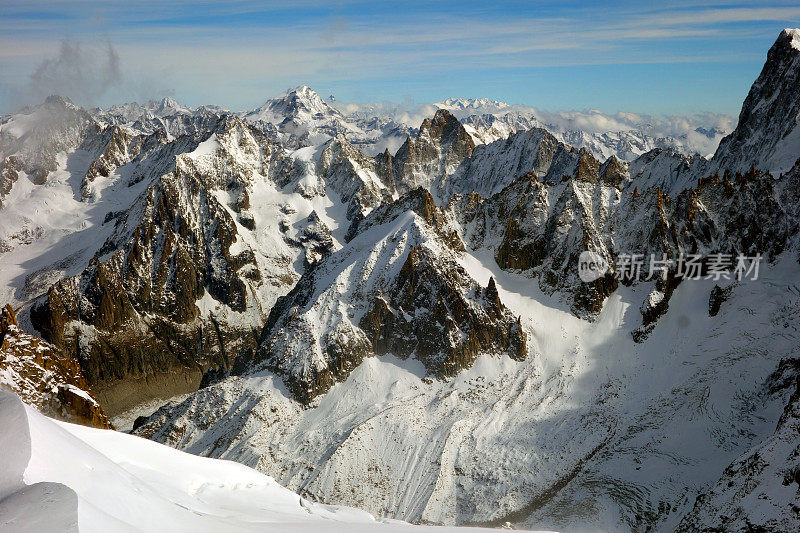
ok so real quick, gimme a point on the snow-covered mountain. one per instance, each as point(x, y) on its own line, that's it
point(407, 332)
point(376, 127)
point(603, 136)
point(300, 117)
point(165, 115)
point(767, 135)
point(480, 104)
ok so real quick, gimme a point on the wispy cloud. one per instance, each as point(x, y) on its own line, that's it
point(238, 52)
point(83, 73)
point(696, 17)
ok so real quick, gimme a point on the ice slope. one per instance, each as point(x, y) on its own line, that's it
point(62, 477)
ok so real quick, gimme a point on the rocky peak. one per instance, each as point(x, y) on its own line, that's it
point(306, 98)
point(439, 149)
point(295, 103)
point(55, 100)
point(588, 167)
point(300, 117)
point(444, 128)
point(767, 133)
point(166, 106)
point(614, 172)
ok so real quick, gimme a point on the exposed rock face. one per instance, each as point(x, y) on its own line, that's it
point(439, 150)
point(316, 240)
point(767, 135)
point(394, 288)
point(613, 172)
point(440, 160)
point(356, 177)
point(121, 148)
point(8, 320)
point(495, 165)
point(45, 378)
point(135, 313)
point(10, 168)
point(655, 305)
point(449, 336)
point(717, 298)
point(747, 216)
point(134, 319)
point(542, 229)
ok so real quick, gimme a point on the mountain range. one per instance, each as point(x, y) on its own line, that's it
point(390, 316)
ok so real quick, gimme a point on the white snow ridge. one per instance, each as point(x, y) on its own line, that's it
point(56, 476)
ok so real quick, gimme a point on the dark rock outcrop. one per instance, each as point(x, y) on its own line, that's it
point(439, 149)
point(717, 298)
point(133, 317)
point(428, 315)
point(315, 237)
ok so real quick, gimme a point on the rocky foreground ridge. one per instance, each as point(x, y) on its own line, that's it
point(44, 377)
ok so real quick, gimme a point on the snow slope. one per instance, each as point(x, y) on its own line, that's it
point(56, 476)
point(620, 435)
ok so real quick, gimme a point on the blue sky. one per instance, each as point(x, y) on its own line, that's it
point(680, 57)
